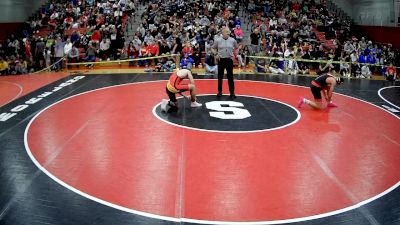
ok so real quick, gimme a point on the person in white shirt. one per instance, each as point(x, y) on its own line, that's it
point(141, 29)
point(148, 38)
point(67, 47)
point(136, 43)
point(289, 51)
point(365, 72)
point(349, 47)
point(104, 47)
point(273, 22)
point(291, 66)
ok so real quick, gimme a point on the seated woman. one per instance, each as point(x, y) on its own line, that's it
point(238, 31)
point(274, 68)
point(211, 67)
point(261, 64)
point(390, 73)
point(187, 62)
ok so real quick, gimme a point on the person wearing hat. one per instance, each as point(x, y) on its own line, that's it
point(325, 83)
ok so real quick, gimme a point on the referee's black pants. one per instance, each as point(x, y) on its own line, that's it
point(226, 63)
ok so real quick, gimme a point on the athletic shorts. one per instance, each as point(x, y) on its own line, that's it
point(316, 91)
point(172, 96)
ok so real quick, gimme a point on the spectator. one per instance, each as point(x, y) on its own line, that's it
point(365, 72)
point(254, 41)
point(371, 59)
point(208, 46)
point(59, 54)
point(148, 38)
point(90, 55)
point(144, 52)
point(197, 54)
point(47, 57)
point(154, 49)
point(344, 66)
point(104, 48)
point(177, 46)
point(73, 55)
point(304, 68)
point(261, 64)
point(141, 30)
point(274, 68)
point(363, 58)
point(132, 53)
point(187, 50)
point(163, 46)
point(238, 33)
point(67, 47)
point(241, 55)
point(187, 62)
point(291, 66)
point(168, 66)
point(28, 53)
point(11, 68)
point(21, 66)
point(136, 42)
point(391, 74)
point(211, 66)
point(39, 53)
point(322, 69)
point(3, 66)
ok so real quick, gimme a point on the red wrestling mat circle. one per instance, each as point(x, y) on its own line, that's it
point(9, 92)
point(108, 146)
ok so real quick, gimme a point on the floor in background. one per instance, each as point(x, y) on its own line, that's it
point(13, 87)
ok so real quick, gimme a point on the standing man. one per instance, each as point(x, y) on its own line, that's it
point(225, 46)
point(325, 83)
point(255, 37)
point(59, 54)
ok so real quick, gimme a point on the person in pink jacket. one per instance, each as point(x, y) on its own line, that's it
point(238, 33)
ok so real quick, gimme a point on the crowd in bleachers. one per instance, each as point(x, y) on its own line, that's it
point(67, 29)
point(304, 30)
point(186, 28)
point(288, 30)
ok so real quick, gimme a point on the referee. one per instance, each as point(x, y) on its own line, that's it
point(225, 47)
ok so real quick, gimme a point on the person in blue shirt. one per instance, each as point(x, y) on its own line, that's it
point(187, 62)
point(362, 58)
point(371, 58)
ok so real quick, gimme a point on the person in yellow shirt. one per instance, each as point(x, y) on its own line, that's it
point(3, 66)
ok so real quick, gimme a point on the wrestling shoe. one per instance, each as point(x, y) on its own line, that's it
point(301, 102)
point(195, 104)
point(164, 104)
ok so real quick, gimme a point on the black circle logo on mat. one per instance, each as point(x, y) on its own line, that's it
point(243, 114)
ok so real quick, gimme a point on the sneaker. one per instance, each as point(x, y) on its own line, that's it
point(301, 102)
point(195, 104)
point(164, 104)
point(219, 95)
